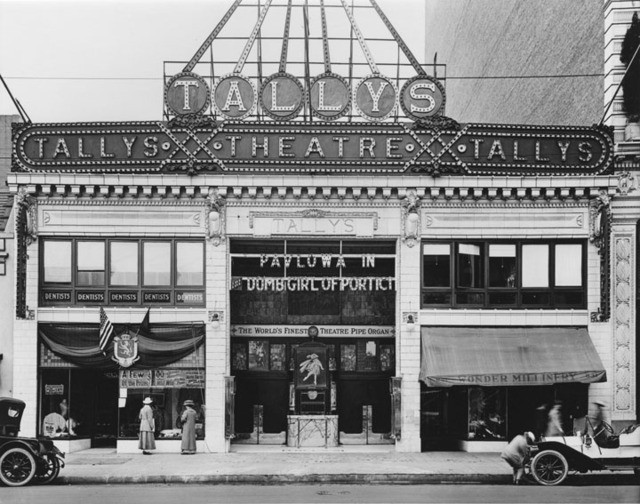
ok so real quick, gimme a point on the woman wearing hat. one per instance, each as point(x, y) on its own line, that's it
point(188, 418)
point(147, 426)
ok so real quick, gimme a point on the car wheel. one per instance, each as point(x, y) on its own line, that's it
point(48, 470)
point(17, 467)
point(549, 467)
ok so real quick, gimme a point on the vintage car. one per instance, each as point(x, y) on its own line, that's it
point(24, 459)
point(553, 457)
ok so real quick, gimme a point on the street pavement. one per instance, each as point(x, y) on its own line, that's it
point(105, 466)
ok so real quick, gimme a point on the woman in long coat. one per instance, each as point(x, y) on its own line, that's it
point(188, 418)
point(147, 427)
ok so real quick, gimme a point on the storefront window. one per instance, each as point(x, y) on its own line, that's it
point(57, 262)
point(90, 263)
point(157, 263)
point(487, 413)
point(124, 263)
point(167, 408)
point(190, 263)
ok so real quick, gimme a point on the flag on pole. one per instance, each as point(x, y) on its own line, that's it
point(144, 325)
point(106, 331)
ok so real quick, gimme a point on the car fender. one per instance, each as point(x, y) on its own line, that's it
point(575, 458)
point(20, 443)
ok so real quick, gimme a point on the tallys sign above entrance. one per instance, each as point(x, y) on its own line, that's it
point(345, 147)
point(223, 121)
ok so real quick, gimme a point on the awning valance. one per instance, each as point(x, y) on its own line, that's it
point(158, 346)
point(491, 357)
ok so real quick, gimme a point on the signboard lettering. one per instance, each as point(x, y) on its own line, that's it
point(56, 296)
point(329, 331)
point(123, 297)
point(156, 297)
point(89, 297)
point(135, 378)
point(53, 389)
point(473, 149)
point(190, 297)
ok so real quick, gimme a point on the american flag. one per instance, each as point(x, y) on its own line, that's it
point(106, 331)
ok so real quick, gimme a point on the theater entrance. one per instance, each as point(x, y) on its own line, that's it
point(343, 291)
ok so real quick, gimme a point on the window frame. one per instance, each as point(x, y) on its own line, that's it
point(65, 294)
point(553, 292)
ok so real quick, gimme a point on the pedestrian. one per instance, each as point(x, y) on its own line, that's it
point(188, 419)
point(541, 420)
point(517, 453)
point(554, 421)
point(147, 426)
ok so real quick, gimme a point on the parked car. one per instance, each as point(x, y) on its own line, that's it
point(554, 457)
point(24, 459)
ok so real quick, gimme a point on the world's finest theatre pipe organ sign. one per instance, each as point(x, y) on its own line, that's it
point(427, 143)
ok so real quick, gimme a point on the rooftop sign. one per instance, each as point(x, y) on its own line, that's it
point(294, 147)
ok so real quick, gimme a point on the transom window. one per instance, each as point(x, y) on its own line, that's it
point(492, 274)
point(122, 272)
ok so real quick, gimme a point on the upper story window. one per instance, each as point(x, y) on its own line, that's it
point(122, 272)
point(494, 274)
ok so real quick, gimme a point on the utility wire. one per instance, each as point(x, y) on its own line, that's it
point(449, 77)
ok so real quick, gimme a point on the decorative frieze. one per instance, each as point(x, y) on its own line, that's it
point(624, 327)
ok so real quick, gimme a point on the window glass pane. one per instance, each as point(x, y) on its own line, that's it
point(436, 264)
point(189, 263)
point(90, 263)
point(470, 265)
point(124, 263)
point(487, 413)
point(535, 266)
point(157, 263)
point(57, 261)
point(568, 265)
point(502, 265)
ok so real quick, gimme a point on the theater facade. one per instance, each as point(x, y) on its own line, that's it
point(315, 261)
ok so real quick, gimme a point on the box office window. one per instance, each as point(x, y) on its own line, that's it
point(122, 272)
point(492, 274)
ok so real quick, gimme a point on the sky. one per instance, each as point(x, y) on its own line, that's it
point(102, 60)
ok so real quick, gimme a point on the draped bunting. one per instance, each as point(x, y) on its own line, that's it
point(159, 346)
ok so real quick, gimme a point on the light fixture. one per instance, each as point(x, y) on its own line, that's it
point(215, 317)
point(410, 321)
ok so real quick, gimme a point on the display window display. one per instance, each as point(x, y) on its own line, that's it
point(167, 406)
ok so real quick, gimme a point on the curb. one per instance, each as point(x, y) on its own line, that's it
point(285, 479)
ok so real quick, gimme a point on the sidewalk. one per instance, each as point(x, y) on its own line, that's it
point(104, 466)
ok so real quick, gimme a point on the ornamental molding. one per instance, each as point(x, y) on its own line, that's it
point(216, 218)
point(411, 219)
point(28, 209)
point(624, 326)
